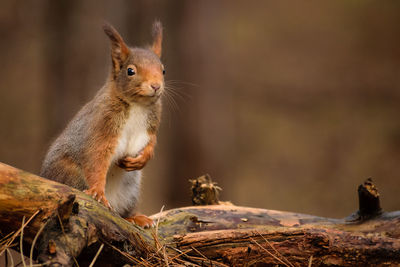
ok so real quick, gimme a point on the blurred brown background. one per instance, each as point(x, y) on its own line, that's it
point(288, 105)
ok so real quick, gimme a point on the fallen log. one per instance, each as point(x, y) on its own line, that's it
point(66, 226)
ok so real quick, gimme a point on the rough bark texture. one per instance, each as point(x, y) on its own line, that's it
point(72, 227)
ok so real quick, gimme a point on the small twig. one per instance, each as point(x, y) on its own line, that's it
point(157, 243)
point(181, 253)
point(34, 242)
point(3, 241)
point(158, 220)
point(201, 254)
point(204, 257)
point(271, 254)
point(21, 239)
point(123, 253)
point(34, 265)
point(310, 261)
point(65, 235)
point(277, 252)
point(11, 257)
point(165, 257)
point(145, 262)
point(212, 263)
point(97, 254)
point(18, 264)
point(12, 238)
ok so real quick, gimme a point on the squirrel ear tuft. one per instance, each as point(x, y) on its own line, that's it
point(157, 38)
point(119, 50)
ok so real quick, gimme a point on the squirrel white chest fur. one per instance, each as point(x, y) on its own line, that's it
point(134, 136)
point(122, 187)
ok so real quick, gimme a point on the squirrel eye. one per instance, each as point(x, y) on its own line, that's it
point(163, 72)
point(131, 72)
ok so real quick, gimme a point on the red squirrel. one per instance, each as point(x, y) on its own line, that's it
point(109, 141)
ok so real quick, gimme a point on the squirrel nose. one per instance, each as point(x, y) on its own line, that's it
point(155, 86)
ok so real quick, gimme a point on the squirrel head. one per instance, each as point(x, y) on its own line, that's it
point(137, 73)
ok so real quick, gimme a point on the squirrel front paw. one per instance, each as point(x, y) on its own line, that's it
point(98, 195)
point(141, 220)
point(133, 164)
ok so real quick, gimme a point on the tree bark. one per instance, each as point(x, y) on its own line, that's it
point(70, 227)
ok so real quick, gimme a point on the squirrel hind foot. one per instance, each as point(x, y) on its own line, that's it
point(141, 220)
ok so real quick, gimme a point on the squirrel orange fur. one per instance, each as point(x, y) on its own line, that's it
point(109, 141)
